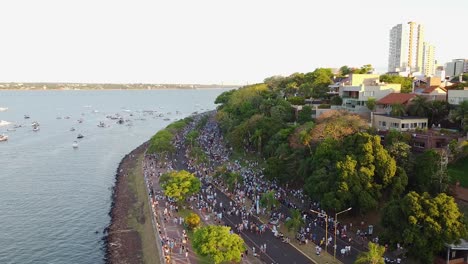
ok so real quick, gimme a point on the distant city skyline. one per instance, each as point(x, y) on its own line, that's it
point(210, 41)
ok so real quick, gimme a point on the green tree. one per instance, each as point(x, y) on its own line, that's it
point(192, 137)
point(321, 78)
point(268, 200)
point(305, 115)
point(345, 70)
point(401, 152)
point(179, 184)
point(224, 97)
point(232, 179)
point(161, 143)
point(336, 100)
point(351, 173)
point(297, 100)
point(365, 69)
point(423, 224)
point(371, 103)
point(429, 173)
point(398, 110)
point(295, 221)
point(460, 115)
point(437, 111)
point(375, 255)
point(393, 136)
point(406, 82)
point(192, 220)
point(418, 106)
point(218, 243)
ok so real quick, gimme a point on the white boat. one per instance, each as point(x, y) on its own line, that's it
point(36, 128)
point(4, 123)
point(3, 109)
point(75, 144)
point(3, 138)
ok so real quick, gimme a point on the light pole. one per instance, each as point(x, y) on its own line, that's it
point(336, 223)
point(326, 226)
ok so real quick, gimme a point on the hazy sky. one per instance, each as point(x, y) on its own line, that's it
point(210, 41)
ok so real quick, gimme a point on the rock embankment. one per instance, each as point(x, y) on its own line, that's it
point(122, 243)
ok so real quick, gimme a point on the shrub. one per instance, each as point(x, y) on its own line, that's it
point(192, 221)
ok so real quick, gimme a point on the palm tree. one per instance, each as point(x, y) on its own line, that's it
point(437, 111)
point(460, 114)
point(418, 106)
point(398, 110)
point(373, 256)
point(295, 221)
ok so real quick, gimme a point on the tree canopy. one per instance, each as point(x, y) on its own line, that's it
point(406, 82)
point(352, 175)
point(423, 224)
point(179, 184)
point(375, 255)
point(218, 243)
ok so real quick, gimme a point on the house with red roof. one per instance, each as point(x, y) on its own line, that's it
point(382, 119)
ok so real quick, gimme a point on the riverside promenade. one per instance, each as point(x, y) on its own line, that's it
point(175, 245)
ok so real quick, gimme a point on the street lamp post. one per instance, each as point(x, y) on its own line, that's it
point(326, 226)
point(336, 223)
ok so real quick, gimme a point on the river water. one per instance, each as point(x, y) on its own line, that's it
point(53, 197)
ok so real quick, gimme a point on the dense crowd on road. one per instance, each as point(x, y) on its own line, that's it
point(242, 210)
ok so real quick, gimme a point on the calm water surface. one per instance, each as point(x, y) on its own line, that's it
point(53, 198)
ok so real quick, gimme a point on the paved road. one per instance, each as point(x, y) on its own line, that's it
point(277, 251)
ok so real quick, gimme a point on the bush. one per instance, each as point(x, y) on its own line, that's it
point(324, 106)
point(192, 221)
point(296, 100)
point(336, 100)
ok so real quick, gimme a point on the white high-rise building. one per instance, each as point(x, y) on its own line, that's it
point(406, 48)
point(428, 59)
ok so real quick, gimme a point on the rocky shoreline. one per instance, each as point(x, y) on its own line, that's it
point(121, 243)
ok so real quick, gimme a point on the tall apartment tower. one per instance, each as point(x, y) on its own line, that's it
point(406, 48)
point(428, 59)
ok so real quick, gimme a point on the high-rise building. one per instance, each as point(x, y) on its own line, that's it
point(456, 67)
point(428, 59)
point(406, 48)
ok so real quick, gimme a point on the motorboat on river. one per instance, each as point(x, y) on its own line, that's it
point(4, 123)
point(75, 144)
point(101, 124)
point(3, 137)
point(80, 136)
point(35, 126)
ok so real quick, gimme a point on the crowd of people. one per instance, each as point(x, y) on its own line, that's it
point(245, 194)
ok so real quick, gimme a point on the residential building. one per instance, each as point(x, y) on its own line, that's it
point(428, 67)
point(360, 87)
point(440, 72)
point(384, 122)
point(455, 97)
point(406, 48)
point(456, 67)
point(384, 105)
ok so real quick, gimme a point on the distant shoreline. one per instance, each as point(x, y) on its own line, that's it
point(108, 86)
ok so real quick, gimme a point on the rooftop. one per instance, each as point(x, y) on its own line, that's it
point(396, 98)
